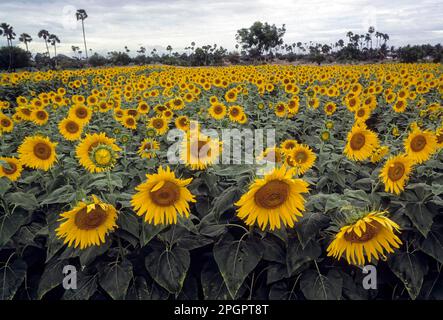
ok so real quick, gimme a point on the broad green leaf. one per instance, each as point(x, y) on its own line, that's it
point(433, 244)
point(11, 278)
point(64, 194)
point(52, 276)
point(86, 287)
point(10, 223)
point(297, 255)
point(309, 226)
point(20, 199)
point(213, 285)
point(115, 278)
point(139, 289)
point(316, 286)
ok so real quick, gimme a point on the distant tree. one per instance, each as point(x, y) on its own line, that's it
point(8, 32)
point(82, 15)
point(53, 40)
point(260, 38)
point(45, 35)
point(20, 58)
point(97, 60)
point(169, 49)
point(25, 38)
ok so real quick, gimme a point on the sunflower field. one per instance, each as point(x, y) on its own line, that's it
point(356, 179)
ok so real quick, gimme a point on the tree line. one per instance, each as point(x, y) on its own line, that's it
point(260, 43)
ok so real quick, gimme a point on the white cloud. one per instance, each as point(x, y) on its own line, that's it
point(112, 24)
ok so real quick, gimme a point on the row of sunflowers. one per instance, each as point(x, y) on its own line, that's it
point(355, 179)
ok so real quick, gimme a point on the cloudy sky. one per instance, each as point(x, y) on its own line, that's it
point(112, 24)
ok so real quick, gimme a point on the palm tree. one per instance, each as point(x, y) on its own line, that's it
point(8, 32)
point(53, 39)
point(25, 38)
point(169, 49)
point(82, 15)
point(75, 49)
point(45, 35)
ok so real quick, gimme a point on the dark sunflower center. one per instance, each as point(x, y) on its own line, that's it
point(440, 138)
point(157, 123)
point(301, 157)
point(418, 143)
point(357, 141)
point(167, 195)
point(177, 102)
point(5, 122)
point(352, 102)
point(41, 115)
point(272, 195)
point(196, 148)
point(92, 220)
point(370, 232)
point(396, 171)
point(235, 112)
point(12, 168)
point(361, 112)
point(42, 151)
point(218, 109)
point(132, 112)
point(72, 127)
point(183, 122)
point(81, 113)
point(130, 121)
point(26, 112)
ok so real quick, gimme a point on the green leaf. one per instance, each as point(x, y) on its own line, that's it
point(432, 245)
point(309, 226)
point(140, 290)
point(213, 285)
point(236, 259)
point(281, 291)
point(11, 278)
point(149, 231)
point(65, 194)
point(52, 277)
point(168, 267)
point(316, 286)
point(10, 223)
point(115, 278)
point(129, 222)
point(86, 287)
point(226, 200)
point(89, 254)
point(297, 255)
point(20, 199)
point(420, 216)
point(5, 184)
point(410, 270)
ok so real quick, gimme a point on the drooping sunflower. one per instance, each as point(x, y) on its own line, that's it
point(217, 111)
point(87, 224)
point(11, 168)
point(162, 197)
point(37, 152)
point(70, 129)
point(420, 145)
point(396, 172)
point(199, 151)
point(302, 158)
point(360, 143)
point(159, 124)
point(81, 113)
point(148, 148)
point(97, 152)
point(274, 200)
point(368, 236)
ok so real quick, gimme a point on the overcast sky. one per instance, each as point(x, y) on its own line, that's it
point(112, 24)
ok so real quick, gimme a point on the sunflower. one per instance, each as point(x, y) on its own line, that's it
point(6, 124)
point(368, 236)
point(302, 158)
point(143, 107)
point(325, 135)
point(199, 151)
point(288, 145)
point(159, 124)
point(37, 152)
point(217, 111)
point(420, 145)
point(395, 173)
point(273, 200)
point(362, 114)
point(360, 143)
point(148, 148)
point(129, 122)
point(182, 123)
point(330, 108)
point(235, 113)
point(439, 136)
point(97, 152)
point(273, 155)
point(39, 117)
point(11, 168)
point(70, 129)
point(87, 224)
point(280, 110)
point(81, 113)
point(177, 104)
point(162, 196)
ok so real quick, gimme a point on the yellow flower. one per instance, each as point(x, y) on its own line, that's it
point(367, 238)
point(6, 124)
point(70, 129)
point(39, 117)
point(37, 152)
point(148, 148)
point(97, 153)
point(162, 197)
point(360, 143)
point(87, 224)
point(274, 200)
point(330, 108)
point(81, 113)
point(379, 153)
point(420, 145)
point(395, 173)
point(11, 168)
point(302, 158)
point(199, 151)
point(217, 111)
point(159, 124)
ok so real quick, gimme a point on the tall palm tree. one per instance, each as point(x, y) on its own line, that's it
point(53, 40)
point(45, 35)
point(25, 38)
point(82, 15)
point(8, 32)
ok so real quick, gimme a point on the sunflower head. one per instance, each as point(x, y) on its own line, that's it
point(273, 201)
point(70, 129)
point(420, 145)
point(97, 152)
point(38, 152)
point(360, 143)
point(366, 236)
point(302, 158)
point(10, 168)
point(396, 172)
point(87, 224)
point(148, 148)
